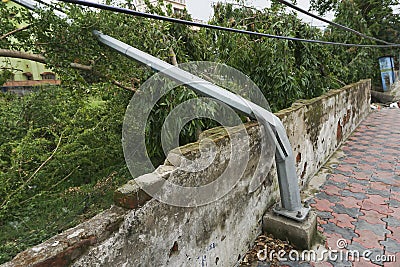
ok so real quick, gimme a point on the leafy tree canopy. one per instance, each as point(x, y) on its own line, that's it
point(378, 15)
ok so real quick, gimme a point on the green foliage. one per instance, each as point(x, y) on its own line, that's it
point(11, 19)
point(60, 160)
point(285, 71)
point(5, 75)
point(371, 17)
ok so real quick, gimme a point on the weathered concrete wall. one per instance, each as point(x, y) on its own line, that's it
point(317, 127)
point(146, 232)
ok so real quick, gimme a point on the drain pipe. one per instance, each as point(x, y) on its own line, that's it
point(290, 206)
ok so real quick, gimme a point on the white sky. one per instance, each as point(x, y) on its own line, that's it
point(201, 9)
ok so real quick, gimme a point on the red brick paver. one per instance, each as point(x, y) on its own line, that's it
point(368, 215)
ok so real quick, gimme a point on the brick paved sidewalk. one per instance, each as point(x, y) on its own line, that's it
point(360, 200)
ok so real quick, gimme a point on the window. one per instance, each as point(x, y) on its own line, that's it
point(28, 75)
point(177, 11)
point(48, 76)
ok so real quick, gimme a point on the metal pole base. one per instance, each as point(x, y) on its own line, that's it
point(299, 215)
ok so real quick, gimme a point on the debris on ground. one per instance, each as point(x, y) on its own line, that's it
point(386, 97)
point(395, 105)
point(260, 251)
point(376, 107)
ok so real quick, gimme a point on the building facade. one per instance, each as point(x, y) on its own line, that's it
point(25, 73)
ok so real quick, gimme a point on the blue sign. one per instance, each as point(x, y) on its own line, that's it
point(387, 72)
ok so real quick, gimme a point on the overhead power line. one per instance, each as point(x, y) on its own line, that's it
point(332, 23)
point(209, 26)
point(35, 5)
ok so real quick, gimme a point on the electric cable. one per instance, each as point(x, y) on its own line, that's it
point(332, 23)
point(215, 27)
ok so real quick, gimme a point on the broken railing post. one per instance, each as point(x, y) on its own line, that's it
point(291, 205)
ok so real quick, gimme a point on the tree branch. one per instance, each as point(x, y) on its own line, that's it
point(33, 175)
point(172, 57)
point(22, 55)
point(14, 31)
point(42, 59)
point(81, 67)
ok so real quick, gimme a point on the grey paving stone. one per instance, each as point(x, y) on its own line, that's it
point(357, 181)
point(395, 189)
point(382, 193)
point(364, 172)
point(393, 203)
point(324, 214)
point(323, 195)
point(374, 254)
point(352, 212)
point(356, 246)
point(360, 196)
point(331, 228)
point(357, 156)
point(391, 221)
point(396, 177)
point(371, 254)
point(337, 184)
point(378, 229)
point(382, 180)
point(311, 201)
point(359, 148)
point(391, 245)
point(339, 263)
point(383, 169)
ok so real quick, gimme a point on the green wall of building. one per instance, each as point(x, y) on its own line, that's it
point(21, 66)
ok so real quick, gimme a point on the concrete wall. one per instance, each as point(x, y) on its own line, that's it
point(317, 127)
point(145, 232)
